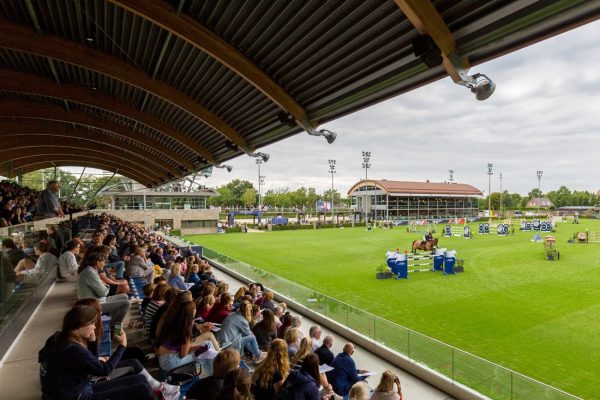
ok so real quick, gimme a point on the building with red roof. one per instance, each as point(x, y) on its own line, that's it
point(403, 200)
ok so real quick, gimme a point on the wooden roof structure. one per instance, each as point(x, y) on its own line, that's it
point(159, 89)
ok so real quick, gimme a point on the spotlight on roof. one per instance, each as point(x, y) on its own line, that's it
point(263, 156)
point(227, 167)
point(480, 84)
point(327, 134)
point(286, 119)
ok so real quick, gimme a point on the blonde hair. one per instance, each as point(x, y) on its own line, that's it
point(359, 391)
point(241, 292)
point(246, 311)
point(277, 359)
point(386, 383)
point(176, 269)
point(194, 268)
point(292, 335)
point(304, 350)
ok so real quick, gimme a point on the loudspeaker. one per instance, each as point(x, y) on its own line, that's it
point(425, 48)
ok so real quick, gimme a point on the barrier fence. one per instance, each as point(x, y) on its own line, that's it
point(485, 377)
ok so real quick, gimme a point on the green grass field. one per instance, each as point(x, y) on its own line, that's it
point(510, 306)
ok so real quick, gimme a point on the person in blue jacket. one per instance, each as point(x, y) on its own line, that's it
point(66, 364)
point(304, 384)
point(344, 373)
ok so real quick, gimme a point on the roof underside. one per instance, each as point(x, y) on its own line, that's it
point(158, 89)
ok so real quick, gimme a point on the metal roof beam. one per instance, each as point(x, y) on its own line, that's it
point(186, 28)
point(21, 38)
point(427, 21)
point(38, 130)
point(26, 83)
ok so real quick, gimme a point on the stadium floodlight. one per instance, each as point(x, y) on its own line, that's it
point(227, 167)
point(327, 134)
point(480, 84)
point(263, 156)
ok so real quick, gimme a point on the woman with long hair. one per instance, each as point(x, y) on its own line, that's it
point(236, 386)
point(204, 306)
point(206, 388)
point(304, 350)
point(235, 330)
point(67, 364)
point(157, 300)
point(303, 384)
point(269, 375)
point(265, 330)
point(221, 309)
point(175, 340)
point(132, 366)
point(385, 388)
point(175, 279)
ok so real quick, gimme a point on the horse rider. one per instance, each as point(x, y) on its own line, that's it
point(428, 236)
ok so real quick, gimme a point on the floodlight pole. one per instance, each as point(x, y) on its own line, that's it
point(490, 173)
point(366, 158)
point(539, 176)
point(500, 175)
point(332, 171)
point(258, 162)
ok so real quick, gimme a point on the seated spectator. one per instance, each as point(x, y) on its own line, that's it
point(205, 306)
point(116, 286)
point(133, 365)
point(148, 290)
point(235, 332)
point(175, 340)
point(286, 322)
point(207, 388)
point(304, 382)
point(265, 331)
point(114, 261)
point(156, 301)
point(67, 364)
point(67, 262)
point(304, 350)
point(315, 334)
point(90, 286)
point(175, 279)
point(344, 373)
point(170, 298)
point(324, 352)
point(193, 274)
point(236, 386)
point(385, 389)
point(11, 250)
point(46, 261)
point(269, 375)
point(220, 310)
point(156, 256)
point(292, 337)
point(137, 266)
point(267, 301)
point(359, 391)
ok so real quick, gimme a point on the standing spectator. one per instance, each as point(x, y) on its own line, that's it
point(48, 205)
point(344, 373)
point(324, 352)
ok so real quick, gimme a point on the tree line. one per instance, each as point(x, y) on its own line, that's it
point(561, 197)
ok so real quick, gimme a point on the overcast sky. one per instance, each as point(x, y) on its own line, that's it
point(544, 115)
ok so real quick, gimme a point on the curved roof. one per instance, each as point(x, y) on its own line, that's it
point(415, 188)
point(175, 86)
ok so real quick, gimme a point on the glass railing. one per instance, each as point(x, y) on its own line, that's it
point(15, 288)
point(485, 377)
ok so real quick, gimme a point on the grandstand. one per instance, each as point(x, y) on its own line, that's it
point(157, 91)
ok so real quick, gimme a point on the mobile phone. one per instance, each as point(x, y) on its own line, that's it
point(118, 329)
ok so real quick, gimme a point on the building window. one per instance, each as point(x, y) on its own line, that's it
point(198, 224)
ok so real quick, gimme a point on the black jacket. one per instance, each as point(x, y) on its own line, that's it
point(325, 355)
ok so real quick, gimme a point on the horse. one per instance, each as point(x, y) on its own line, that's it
point(427, 246)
